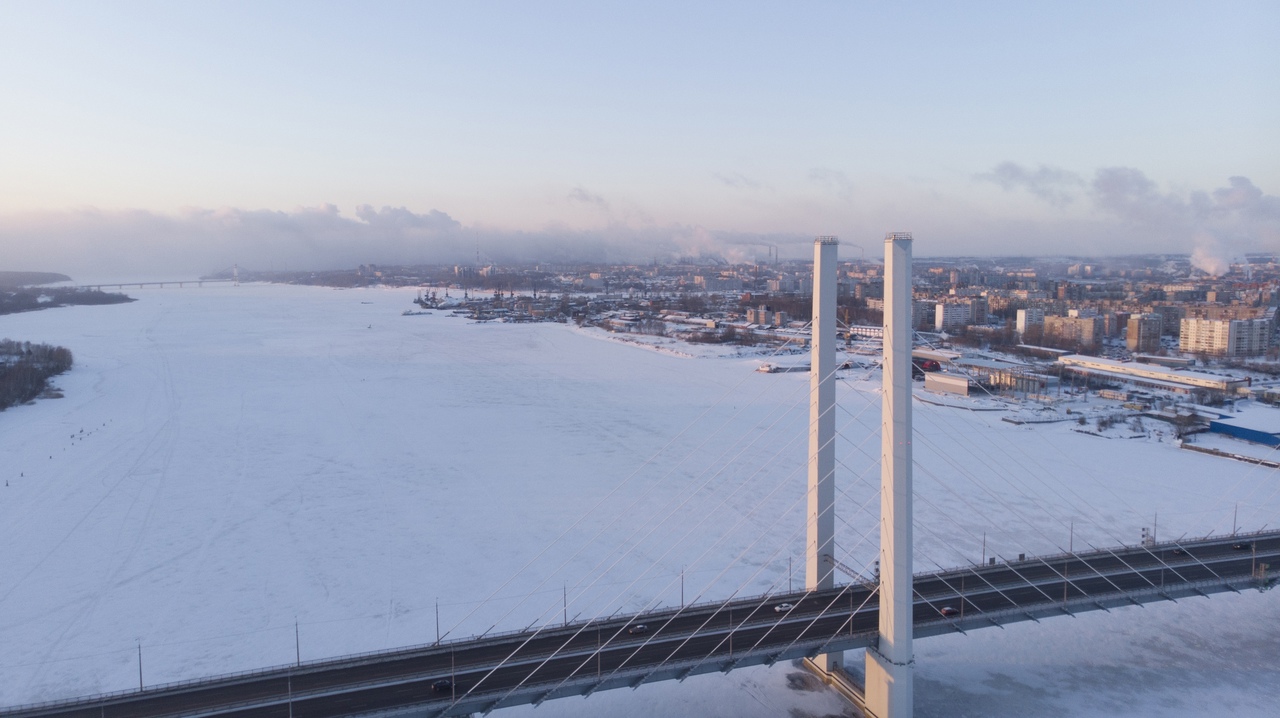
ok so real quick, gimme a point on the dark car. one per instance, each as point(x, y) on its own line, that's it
point(1242, 546)
point(949, 611)
point(444, 685)
point(638, 629)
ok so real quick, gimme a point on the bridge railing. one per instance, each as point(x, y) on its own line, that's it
point(284, 669)
point(1098, 552)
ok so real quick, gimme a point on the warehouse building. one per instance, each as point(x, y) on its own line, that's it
point(1153, 377)
point(1261, 425)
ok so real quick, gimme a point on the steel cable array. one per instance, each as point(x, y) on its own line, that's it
point(784, 482)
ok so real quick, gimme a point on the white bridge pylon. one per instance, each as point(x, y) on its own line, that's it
point(890, 663)
point(820, 545)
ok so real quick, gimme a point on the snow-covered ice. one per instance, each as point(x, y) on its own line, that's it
point(228, 461)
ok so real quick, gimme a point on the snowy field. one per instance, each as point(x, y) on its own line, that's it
point(232, 467)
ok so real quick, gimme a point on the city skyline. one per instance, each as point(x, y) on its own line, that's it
point(162, 138)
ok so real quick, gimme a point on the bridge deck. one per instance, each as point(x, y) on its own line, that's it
point(581, 658)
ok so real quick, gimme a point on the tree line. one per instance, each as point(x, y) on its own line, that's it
point(25, 370)
point(23, 279)
point(27, 300)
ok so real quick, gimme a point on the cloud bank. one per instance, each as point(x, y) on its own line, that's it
point(1119, 210)
point(1051, 184)
point(1217, 226)
point(96, 245)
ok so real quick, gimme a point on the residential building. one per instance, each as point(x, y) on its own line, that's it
point(1073, 331)
point(1029, 317)
point(760, 315)
point(960, 312)
point(1144, 332)
point(1225, 337)
point(951, 315)
point(1172, 315)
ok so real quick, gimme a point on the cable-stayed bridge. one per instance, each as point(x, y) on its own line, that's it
point(579, 658)
point(882, 614)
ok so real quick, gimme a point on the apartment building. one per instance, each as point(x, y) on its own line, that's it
point(1144, 332)
point(1073, 331)
point(1225, 337)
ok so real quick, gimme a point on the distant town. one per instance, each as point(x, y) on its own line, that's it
point(1020, 326)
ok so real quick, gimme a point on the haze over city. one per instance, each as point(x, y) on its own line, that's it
point(152, 138)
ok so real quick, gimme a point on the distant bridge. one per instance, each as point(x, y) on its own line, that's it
point(481, 674)
point(140, 285)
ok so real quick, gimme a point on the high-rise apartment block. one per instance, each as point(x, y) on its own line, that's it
point(1172, 315)
point(1144, 332)
point(1113, 322)
point(957, 313)
point(950, 315)
point(1226, 337)
point(1029, 317)
point(978, 310)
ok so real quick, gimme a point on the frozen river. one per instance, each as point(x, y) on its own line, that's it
point(237, 475)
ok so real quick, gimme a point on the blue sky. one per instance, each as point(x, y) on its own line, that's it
point(981, 126)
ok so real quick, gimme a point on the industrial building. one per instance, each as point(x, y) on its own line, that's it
point(1007, 376)
point(1152, 377)
point(1261, 425)
point(947, 383)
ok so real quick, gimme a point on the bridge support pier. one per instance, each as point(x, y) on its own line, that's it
point(890, 663)
point(820, 546)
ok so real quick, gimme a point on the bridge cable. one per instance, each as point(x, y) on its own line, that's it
point(946, 456)
point(604, 500)
point(1107, 487)
point(996, 470)
point(760, 537)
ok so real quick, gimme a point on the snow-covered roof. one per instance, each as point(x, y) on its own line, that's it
point(1147, 371)
point(1259, 418)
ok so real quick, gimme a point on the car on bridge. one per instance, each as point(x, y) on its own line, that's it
point(638, 629)
point(444, 685)
point(949, 611)
point(783, 607)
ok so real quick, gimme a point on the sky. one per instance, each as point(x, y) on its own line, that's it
point(152, 137)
